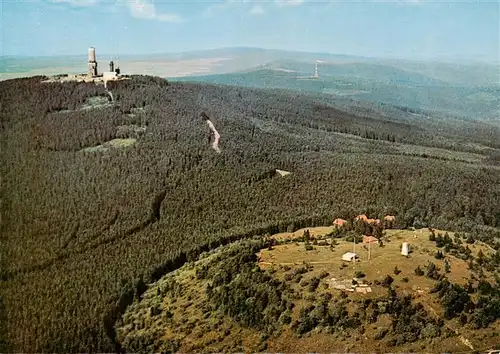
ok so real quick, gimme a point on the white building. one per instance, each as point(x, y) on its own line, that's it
point(405, 249)
point(109, 75)
point(349, 256)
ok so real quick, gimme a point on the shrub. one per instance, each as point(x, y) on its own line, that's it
point(323, 274)
point(359, 274)
point(155, 310)
point(447, 267)
point(286, 317)
point(432, 271)
point(430, 331)
point(304, 283)
point(419, 271)
point(313, 285)
point(381, 333)
point(388, 280)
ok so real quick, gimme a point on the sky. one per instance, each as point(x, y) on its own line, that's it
point(408, 29)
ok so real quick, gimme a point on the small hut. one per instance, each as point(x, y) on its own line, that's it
point(339, 222)
point(369, 239)
point(349, 256)
point(405, 249)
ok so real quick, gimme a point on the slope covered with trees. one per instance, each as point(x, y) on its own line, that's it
point(378, 84)
point(83, 232)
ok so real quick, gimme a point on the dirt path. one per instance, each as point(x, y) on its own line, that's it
point(215, 144)
point(110, 95)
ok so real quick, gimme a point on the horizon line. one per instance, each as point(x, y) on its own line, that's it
point(443, 59)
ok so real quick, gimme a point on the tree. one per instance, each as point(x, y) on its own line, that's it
point(306, 236)
point(447, 267)
point(454, 299)
point(419, 271)
point(388, 280)
point(432, 271)
point(359, 274)
point(447, 240)
point(480, 257)
point(439, 241)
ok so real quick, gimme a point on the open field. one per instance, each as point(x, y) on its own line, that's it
point(314, 231)
point(382, 262)
point(326, 257)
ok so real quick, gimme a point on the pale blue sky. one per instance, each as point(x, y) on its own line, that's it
point(421, 29)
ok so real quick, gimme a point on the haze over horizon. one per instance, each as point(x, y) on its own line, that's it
point(405, 29)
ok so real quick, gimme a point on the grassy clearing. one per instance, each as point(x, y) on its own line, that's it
point(115, 143)
point(283, 173)
point(96, 102)
point(129, 129)
point(314, 232)
point(383, 259)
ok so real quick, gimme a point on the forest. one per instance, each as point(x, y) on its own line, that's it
point(83, 232)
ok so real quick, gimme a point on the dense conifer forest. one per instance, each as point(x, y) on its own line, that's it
point(83, 232)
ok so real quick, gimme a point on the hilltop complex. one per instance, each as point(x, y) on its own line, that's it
point(92, 74)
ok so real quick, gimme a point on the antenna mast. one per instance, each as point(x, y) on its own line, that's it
point(354, 251)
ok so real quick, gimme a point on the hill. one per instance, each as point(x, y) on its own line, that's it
point(293, 296)
point(228, 60)
point(84, 230)
point(421, 91)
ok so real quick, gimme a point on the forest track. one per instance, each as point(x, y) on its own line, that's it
point(215, 144)
point(103, 230)
point(64, 254)
point(72, 236)
point(464, 340)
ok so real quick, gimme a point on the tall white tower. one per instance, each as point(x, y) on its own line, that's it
point(405, 249)
point(92, 63)
point(316, 71)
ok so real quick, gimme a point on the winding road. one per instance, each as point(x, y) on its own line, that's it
point(215, 144)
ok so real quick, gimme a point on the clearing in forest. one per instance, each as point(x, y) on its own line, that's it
point(283, 173)
point(115, 143)
point(96, 102)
